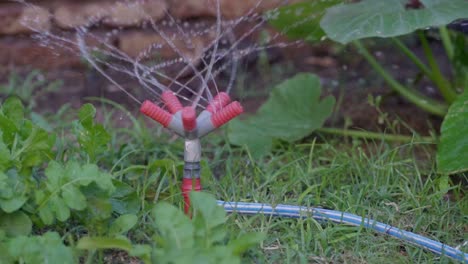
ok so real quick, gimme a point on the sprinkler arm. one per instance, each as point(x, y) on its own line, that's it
point(183, 120)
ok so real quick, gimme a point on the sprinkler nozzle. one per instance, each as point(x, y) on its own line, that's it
point(156, 113)
point(171, 101)
point(189, 118)
point(226, 114)
point(218, 102)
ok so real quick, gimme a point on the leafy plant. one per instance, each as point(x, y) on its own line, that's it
point(93, 138)
point(179, 239)
point(61, 191)
point(29, 88)
point(23, 145)
point(47, 248)
point(454, 140)
point(349, 23)
point(293, 111)
point(370, 18)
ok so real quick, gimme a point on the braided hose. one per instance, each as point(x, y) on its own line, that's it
point(339, 217)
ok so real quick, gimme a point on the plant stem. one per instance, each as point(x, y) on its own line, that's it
point(420, 100)
point(403, 48)
point(446, 41)
point(443, 84)
point(376, 135)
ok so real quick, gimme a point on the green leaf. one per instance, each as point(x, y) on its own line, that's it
point(68, 188)
point(13, 109)
point(93, 243)
point(13, 191)
point(453, 146)
point(5, 156)
point(124, 199)
point(376, 18)
point(208, 218)
point(47, 248)
point(174, 227)
point(86, 115)
point(293, 111)
point(15, 224)
point(122, 224)
point(301, 20)
point(93, 138)
point(245, 241)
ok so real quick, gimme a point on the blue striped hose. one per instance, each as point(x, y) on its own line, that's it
point(319, 214)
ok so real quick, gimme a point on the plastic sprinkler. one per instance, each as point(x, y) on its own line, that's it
point(184, 122)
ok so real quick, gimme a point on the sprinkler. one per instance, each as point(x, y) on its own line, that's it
point(184, 122)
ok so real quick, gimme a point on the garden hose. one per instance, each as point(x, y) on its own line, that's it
point(339, 217)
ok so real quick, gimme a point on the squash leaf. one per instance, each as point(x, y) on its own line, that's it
point(293, 111)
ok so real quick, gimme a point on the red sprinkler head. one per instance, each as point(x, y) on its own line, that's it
point(189, 118)
point(218, 102)
point(227, 114)
point(171, 101)
point(156, 113)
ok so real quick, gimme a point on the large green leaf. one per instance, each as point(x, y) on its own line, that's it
point(64, 190)
point(93, 137)
point(47, 248)
point(301, 20)
point(293, 111)
point(13, 191)
point(208, 218)
point(123, 224)
point(452, 151)
point(15, 224)
point(174, 227)
point(93, 243)
point(377, 18)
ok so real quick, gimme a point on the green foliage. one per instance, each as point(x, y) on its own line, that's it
point(93, 137)
point(15, 224)
point(93, 243)
point(301, 20)
point(293, 111)
point(373, 18)
point(62, 192)
point(350, 22)
point(40, 188)
point(47, 248)
point(23, 145)
point(178, 239)
point(453, 147)
point(202, 240)
point(29, 88)
point(459, 59)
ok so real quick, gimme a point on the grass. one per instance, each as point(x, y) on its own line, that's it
point(388, 183)
point(394, 184)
